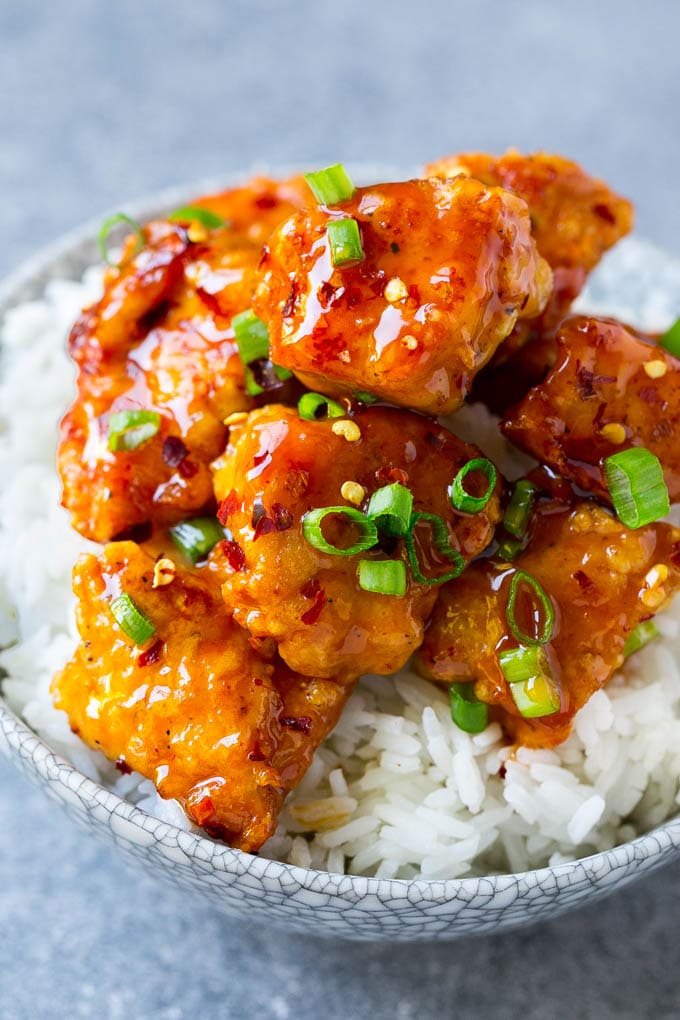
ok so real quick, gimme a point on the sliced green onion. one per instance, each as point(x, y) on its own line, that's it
point(345, 242)
point(533, 688)
point(197, 537)
point(311, 529)
point(131, 619)
point(467, 711)
point(106, 228)
point(440, 537)
point(365, 397)
point(386, 577)
point(641, 636)
point(331, 185)
point(391, 508)
point(636, 486)
point(510, 548)
point(518, 510)
point(461, 499)
point(253, 388)
point(314, 406)
point(130, 429)
point(282, 373)
point(196, 214)
point(544, 635)
point(252, 336)
point(671, 339)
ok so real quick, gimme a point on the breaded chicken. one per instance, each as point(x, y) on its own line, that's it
point(448, 267)
point(276, 469)
point(195, 709)
point(601, 579)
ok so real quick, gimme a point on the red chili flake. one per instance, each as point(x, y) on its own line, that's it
point(327, 292)
point(388, 474)
point(353, 296)
point(187, 468)
point(211, 301)
point(310, 588)
point(174, 451)
point(123, 767)
point(587, 381)
point(314, 612)
point(264, 526)
point(297, 480)
point(649, 395)
point(256, 754)
point(414, 293)
point(203, 810)
point(662, 430)
point(283, 518)
point(228, 506)
point(150, 655)
point(502, 772)
point(258, 512)
point(289, 306)
point(301, 723)
point(266, 201)
point(604, 212)
point(259, 458)
point(236, 558)
point(583, 581)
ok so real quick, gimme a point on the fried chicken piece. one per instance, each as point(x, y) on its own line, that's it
point(575, 219)
point(160, 339)
point(602, 581)
point(611, 388)
point(196, 709)
point(278, 467)
point(449, 267)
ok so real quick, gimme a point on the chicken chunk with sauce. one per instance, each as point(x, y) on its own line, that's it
point(161, 340)
point(611, 388)
point(196, 709)
point(278, 467)
point(448, 267)
point(602, 580)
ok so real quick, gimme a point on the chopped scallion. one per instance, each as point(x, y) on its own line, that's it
point(463, 500)
point(440, 540)
point(543, 613)
point(131, 619)
point(252, 337)
point(314, 406)
point(641, 636)
point(196, 214)
point(529, 676)
point(671, 339)
point(636, 486)
point(130, 429)
point(510, 548)
point(386, 577)
point(313, 520)
point(390, 508)
point(518, 510)
point(345, 242)
point(364, 397)
point(197, 536)
point(106, 228)
point(331, 185)
point(467, 711)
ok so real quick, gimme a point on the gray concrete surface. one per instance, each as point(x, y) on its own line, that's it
point(103, 102)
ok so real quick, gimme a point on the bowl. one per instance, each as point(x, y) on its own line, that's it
point(301, 899)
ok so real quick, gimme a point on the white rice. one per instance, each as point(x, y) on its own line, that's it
point(397, 790)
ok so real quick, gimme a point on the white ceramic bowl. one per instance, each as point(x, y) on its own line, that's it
point(307, 900)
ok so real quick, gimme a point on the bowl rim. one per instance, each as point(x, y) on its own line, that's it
point(19, 743)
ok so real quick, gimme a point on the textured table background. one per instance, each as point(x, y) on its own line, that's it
point(103, 102)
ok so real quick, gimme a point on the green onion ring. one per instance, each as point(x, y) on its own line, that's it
point(468, 713)
point(440, 536)
point(521, 577)
point(106, 228)
point(310, 404)
point(197, 214)
point(461, 499)
point(130, 429)
point(385, 577)
point(311, 529)
point(131, 619)
point(391, 509)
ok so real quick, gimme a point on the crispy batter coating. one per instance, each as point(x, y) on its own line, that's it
point(276, 468)
point(611, 388)
point(196, 710)
point(161, 339)
point(601, 580)
point(575, 219)
point(449, 267)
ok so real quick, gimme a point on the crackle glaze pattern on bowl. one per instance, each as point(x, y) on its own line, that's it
point(303, 900)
